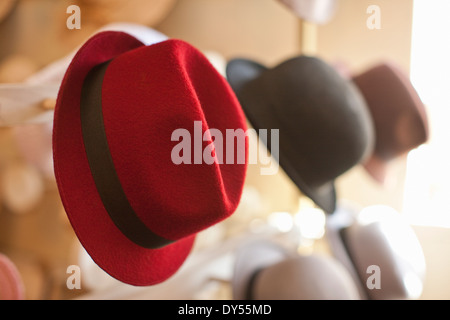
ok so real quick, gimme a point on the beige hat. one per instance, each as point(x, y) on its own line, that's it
point(266, 271)
point(315, 277)
point(250, 258)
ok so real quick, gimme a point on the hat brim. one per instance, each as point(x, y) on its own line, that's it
point(377, 169)
point(240, 72)
point(251, 258)
point(343, 218)
point(104, 242)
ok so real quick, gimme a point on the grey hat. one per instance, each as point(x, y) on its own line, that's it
point(388, 246)
point(324, 124)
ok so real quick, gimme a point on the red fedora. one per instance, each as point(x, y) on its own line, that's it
point(134, 211)
point(398, 113)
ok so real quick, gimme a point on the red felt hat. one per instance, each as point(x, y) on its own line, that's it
point(133, 209)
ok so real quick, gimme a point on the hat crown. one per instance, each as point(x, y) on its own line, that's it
point(322, 116)
point(398, 113)
point(297, 278)
point(139, 96)
point(147, 94)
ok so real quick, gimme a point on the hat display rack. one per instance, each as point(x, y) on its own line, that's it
point(32, 99)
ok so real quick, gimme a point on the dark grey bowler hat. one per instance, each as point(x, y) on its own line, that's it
point(324, 124)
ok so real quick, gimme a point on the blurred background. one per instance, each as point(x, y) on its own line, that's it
point(34, 230)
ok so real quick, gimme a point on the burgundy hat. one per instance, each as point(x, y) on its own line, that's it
point(134, 211)
point(399, 115)
point(11, 286)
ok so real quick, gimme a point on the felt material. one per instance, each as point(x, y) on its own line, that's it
point(197, 93)
point(11, 286)
point(102, 166)
point(324, 125)
point(399, 115)
point(148, 92)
